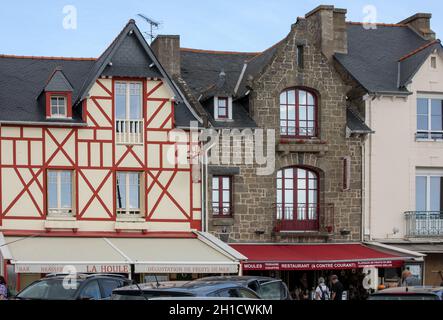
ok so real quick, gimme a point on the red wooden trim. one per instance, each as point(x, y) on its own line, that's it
point(104, 88)
point(154, 234)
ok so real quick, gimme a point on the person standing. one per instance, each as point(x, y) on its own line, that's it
point(408, 279)
point(3, 289)
point(322, 291)
point(337, 288)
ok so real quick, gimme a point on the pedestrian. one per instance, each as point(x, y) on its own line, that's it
point(3, 289)
point(441, 276)
point(322, 291)
point(408, 279)
point(337, 288)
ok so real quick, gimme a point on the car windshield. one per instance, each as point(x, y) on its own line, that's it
point(49, 289)
point(392, 297)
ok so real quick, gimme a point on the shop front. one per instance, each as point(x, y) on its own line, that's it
point(26, 259)
point(301, 265)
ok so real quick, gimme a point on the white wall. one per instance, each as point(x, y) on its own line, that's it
point(393, 154)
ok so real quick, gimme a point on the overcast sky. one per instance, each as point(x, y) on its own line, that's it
point(42, 28)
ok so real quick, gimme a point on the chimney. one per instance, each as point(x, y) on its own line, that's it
point(167, 51)
point(421, 23)
point(330, 25)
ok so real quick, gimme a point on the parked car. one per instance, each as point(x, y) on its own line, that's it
point(81, 287)
point(267, 288)
point(180, 289)
point(409, 293)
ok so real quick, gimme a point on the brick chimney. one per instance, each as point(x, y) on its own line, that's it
point(421, 23)
point(167, 51)
point(330, 25)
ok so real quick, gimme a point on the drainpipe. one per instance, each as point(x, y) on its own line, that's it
point(204, 187)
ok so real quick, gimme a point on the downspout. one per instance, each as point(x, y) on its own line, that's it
point(204, 187)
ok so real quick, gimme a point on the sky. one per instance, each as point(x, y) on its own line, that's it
point(82, 28)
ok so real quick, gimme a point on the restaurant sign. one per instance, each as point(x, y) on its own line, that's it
point(186, 268)
point(322, 265)
point(71, 268)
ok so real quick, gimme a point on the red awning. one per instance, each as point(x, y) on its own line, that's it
point(316, 257)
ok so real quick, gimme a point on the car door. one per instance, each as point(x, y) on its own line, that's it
point(273, 290)
point(90, 291)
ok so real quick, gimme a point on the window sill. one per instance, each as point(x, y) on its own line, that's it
point(54, 217)
point(428, 140)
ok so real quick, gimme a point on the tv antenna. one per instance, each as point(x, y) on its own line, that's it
point(154, 25)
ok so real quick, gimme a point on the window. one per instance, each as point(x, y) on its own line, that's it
point(128, 194)
point(300, 58)
point(222, 108)
point(91, 291)
point(60, 192)
point(58, 107)
point(128, 112)
point(429, 118)
point(108, 285)
point(297, 198)
point(429, 193)
point(298, 113)
point(433, 62)
point(221, 195)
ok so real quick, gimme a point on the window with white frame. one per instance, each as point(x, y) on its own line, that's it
point(223, 108)
point(128, 112)
point(222, 196)
point(60, 192)
point(430, 118)
point(128, 194)
point(58, 106)
point(429, 192)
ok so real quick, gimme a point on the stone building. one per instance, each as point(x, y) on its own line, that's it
point(313, 194)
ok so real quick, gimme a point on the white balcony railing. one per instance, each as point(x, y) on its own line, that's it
point(129, 131)
point(424, 224)
point(129, 213)
point(60, 212)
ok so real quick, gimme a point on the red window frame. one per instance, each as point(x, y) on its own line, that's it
point(288, 213)
point(302, 127)
point(226, 107)
point(66, 95)
point(218, 208)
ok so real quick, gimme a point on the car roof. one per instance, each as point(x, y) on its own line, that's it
point(411, 290)
point(183, 286)
point(82, 276)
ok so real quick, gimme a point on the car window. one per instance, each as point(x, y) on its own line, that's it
point(91, 291)
point(229, 293)
point(108, 285)
point(254, 286)
point(246, 294)
point(51, 289)
point(272, 291)
point(393, 297)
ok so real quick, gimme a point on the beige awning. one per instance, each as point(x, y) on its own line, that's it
point(202, 254)
point(175, 256)
point(63, 255)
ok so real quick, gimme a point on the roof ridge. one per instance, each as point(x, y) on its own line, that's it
point(270, 48)
point(47, 57)
point(217, 52)
point(377, 24)
point(414, 52)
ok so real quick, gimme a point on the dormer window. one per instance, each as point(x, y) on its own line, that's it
point(58, 106)
point(223, 108)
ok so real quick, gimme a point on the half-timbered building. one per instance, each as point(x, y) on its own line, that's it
point(89, 174)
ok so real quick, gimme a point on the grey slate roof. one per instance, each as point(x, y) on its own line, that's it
point(373, 56)
point(58, 82)
point(355, 123)
point(22, 79)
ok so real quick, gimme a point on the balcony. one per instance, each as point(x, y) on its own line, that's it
point(424, 224)
point(311, 218)
point(129, 131)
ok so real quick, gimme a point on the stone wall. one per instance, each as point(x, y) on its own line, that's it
point(255, 196)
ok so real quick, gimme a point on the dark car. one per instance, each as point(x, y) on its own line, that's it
point(267, 288)
point(80, 287)
point(409, 293)
point(201, 289)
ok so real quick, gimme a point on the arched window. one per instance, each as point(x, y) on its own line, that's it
point(297, 199)
point(298, 113)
